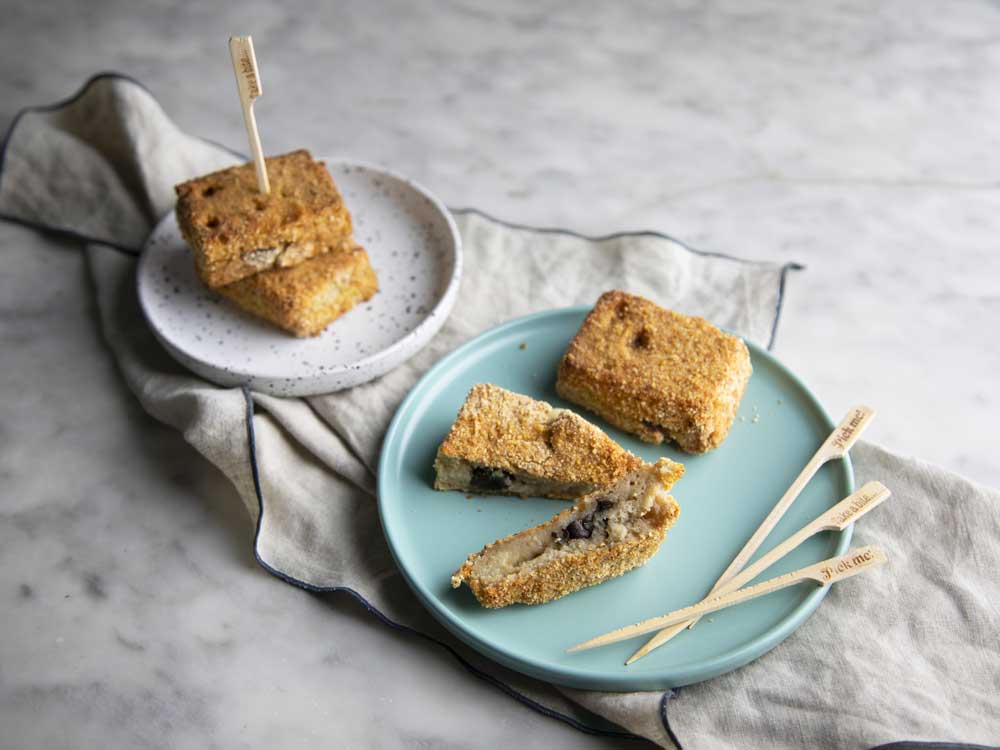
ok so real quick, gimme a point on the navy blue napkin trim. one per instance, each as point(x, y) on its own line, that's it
point(785, 268)
point(386, 620)
point(63, 231)
point(136, 252)
point(664, 700)
point(72, 234)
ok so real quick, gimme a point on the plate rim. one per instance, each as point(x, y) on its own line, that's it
point(567, 675)
point(421, 334)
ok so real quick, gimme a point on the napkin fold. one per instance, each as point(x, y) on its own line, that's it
point(912, 654)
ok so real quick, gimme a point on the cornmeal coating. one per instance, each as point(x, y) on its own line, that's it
point(656, 373)
point(306, 298)
point(604, 535)
point(507, 443)
point(234, 231)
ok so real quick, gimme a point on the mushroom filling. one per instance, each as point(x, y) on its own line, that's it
point(486, 478)
point(583, 528)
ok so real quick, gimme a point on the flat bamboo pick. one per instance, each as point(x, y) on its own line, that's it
point(836, 518)
point(248, 84)
point(836, 445)
point(824, 573)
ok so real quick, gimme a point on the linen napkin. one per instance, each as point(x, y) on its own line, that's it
point(101, 167)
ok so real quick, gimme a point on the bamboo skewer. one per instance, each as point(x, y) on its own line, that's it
point(836, 445)
point(836, 518)
point(248, 84)
point(823, 573)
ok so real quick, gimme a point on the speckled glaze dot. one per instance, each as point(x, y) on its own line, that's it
point(414, 248)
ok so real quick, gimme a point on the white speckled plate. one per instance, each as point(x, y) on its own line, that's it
point(414, 248)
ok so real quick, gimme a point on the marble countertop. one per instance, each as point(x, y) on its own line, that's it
point(859, 140)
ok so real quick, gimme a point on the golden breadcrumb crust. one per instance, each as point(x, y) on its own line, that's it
point(305, 298)
point(568, 574)
point(656, 373)
point(235, 231)
point(501, 429)
point(596, 564)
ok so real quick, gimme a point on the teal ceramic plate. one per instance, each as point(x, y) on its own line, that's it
point(724, 495)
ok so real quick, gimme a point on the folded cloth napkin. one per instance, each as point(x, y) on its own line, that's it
point(912, 654)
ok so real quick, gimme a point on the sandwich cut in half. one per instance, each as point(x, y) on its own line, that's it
point(603, 535)
point(506, 443)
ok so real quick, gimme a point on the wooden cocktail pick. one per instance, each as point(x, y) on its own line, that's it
point(248, 84)
point(837, 518)
point(824, 573)
point(836, 445)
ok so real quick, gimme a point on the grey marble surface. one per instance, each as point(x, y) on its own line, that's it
point(857, 139)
